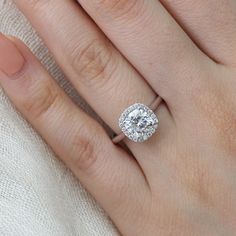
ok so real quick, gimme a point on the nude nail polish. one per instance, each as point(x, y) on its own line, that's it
point(11, 60)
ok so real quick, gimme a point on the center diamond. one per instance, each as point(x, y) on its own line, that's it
point(138, 122)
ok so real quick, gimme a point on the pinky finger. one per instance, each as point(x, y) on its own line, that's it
point(103, 168)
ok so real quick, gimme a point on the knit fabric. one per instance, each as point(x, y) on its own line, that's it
point(38, 194)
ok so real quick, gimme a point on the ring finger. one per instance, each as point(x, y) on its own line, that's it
point(98, 71)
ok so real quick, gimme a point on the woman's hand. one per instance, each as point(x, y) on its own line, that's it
point(182, 181)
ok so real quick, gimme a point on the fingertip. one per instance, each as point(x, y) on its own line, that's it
point(11, 59)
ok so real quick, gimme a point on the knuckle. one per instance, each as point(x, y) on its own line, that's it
point(85, 148)
point(122, 8)
point(41, 98)
point(85, 156)
point(93, 62)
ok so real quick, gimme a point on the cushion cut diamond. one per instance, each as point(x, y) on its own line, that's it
point(138, 122)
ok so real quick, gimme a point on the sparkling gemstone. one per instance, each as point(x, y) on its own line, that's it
point(138, 122)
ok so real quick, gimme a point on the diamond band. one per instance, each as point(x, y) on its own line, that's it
point(138, 122)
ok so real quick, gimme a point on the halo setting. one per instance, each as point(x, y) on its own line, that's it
point(138, 122)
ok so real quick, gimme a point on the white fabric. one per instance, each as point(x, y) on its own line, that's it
point(38, 194)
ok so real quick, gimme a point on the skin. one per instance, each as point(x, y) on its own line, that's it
point(183, 180)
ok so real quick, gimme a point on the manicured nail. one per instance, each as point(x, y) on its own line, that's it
point(11, 60)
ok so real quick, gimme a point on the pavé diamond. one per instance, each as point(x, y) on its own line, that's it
point(138, 122)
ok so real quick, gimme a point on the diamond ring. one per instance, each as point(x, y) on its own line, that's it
point(138, 122)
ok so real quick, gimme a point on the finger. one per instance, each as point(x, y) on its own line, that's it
point(211, 24)
point(98, 71)
point(151, 39)
point(104, 169)
point(94, 66)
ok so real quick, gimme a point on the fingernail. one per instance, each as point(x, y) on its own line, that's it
point(11, 60)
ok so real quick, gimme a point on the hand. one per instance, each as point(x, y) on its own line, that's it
point(182, 181)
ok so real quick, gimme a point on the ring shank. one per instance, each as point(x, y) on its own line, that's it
point(153, 106)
